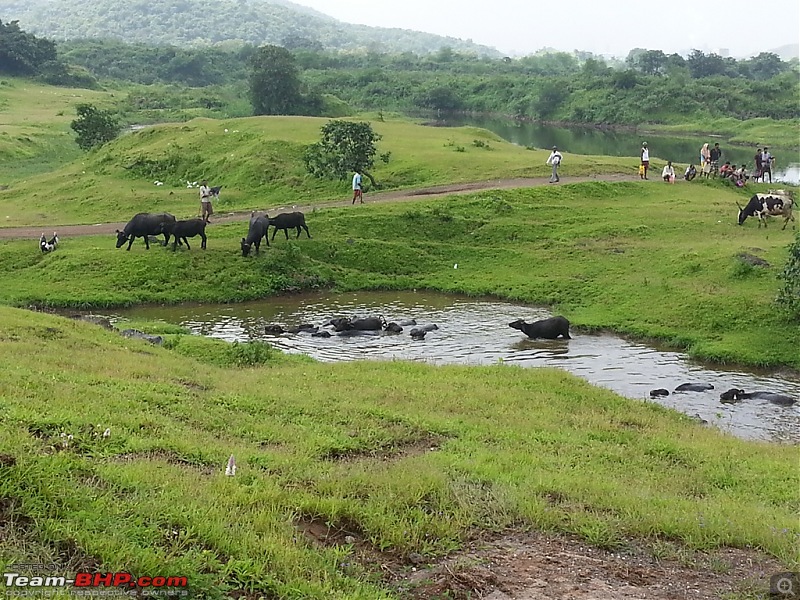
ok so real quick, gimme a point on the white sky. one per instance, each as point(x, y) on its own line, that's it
point(744, 27)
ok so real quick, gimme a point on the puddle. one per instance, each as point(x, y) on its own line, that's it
point(476, 332)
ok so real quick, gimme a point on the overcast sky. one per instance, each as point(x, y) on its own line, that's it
point(744, 27)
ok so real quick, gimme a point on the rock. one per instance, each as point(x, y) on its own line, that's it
point(134, 333)
point(752, 260)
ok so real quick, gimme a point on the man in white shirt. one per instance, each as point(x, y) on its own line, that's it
point(357, 192)
point(205, 201)
point(645, 160)
point(555, 160)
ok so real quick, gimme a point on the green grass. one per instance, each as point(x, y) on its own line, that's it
point(259, 161)
point(647, 259)
point(35, 136)
point(753, 132)
point(405, 457)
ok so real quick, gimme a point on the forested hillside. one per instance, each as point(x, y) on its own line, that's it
point(212, 22)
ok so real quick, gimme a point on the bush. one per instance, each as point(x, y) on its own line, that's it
point(789, 295)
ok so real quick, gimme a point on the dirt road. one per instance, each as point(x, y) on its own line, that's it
point(377, 198)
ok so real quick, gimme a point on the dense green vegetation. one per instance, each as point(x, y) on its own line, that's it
point(418, 460)
point(203, 23)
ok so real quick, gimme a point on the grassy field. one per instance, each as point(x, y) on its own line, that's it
point(259, 161)
point(752, 132)
point(643, 258)
point(406, 458)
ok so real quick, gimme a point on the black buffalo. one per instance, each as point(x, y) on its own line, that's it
point(736, 395)
point(287, 221)
point(548, 329)
point(358, 324)
point(181, 230)
point(694, 387)
point(143, 225)
point(259, 225)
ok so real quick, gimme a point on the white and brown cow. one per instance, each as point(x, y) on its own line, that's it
point(775, 203)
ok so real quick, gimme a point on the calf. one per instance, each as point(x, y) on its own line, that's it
point(181, 230)
point(215, 191)
point(775, 203)
point(259, 226)
point(548, 329)
point(143, 225)
point(46, 246)
point(287, 221)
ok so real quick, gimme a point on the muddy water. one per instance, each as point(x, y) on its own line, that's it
point(476, 332)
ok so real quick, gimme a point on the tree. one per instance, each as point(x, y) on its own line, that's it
point(94, 126)
point(274, 82)
point(345, 147)
point(23, 53)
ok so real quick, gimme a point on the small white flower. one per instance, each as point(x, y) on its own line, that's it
point(107, 433)
point(230, 470)
point(455, 266)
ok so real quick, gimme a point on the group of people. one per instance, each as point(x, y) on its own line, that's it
point(709, 165)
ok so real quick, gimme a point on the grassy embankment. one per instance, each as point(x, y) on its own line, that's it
point(648, 259)
point(35, 136)
point(753, 132)
point(416, 460)
point(259, 161)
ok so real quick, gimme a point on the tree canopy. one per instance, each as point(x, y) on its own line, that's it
point(94, 126)
point(344, 147)
point(23, 53)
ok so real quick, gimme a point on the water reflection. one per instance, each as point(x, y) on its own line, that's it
point(476, 332)
point(589, 140)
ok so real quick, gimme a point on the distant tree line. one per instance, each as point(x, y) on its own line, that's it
point(649, 86)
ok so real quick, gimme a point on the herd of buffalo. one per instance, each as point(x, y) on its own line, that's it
point(151, 225)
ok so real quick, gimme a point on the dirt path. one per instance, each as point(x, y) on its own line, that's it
point(377, 198)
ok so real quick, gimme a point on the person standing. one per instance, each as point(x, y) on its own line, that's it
point(715, 154)
point(645, 154)
point(767, 161)
point(206, 210)
point(757, 160)
point(705, 160)
point(358, 193)
point(554, 159)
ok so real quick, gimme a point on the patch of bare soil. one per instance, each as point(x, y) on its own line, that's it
point(65, 231)
point(393, 451)
point(549, 567)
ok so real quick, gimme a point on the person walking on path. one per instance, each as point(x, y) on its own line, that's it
point(206, 210)
point(554, 160)
point(358, 193)
point(645, 154)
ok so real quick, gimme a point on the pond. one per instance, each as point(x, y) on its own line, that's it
point(476, 332)
point(604, 142)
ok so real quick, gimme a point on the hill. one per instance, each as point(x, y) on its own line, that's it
point(211, 22)
point(787, 52)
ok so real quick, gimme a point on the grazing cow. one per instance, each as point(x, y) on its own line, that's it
point(259, 225)
point(143, 225)
point(46, 246)
point(287, 221)
point(775, 203)
point(181, 230)
point(548, 329)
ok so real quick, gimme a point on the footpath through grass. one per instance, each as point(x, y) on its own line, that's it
point(405, 457)
point(648, 259)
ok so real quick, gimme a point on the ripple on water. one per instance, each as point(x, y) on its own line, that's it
point(476, 332)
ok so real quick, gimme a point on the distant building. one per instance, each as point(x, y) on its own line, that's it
point(724, 52)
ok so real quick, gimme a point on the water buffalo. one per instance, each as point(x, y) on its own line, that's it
point(660, 392)
point(548, 329)
point(321, 334)
point(181, 230)
point(143, 225)
point(303, 328)
point(259, 224)
point(358, 324)
point(393, 328)
point(694, 387)
point(418, 333)
point(287, 221)
point(735, 395)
